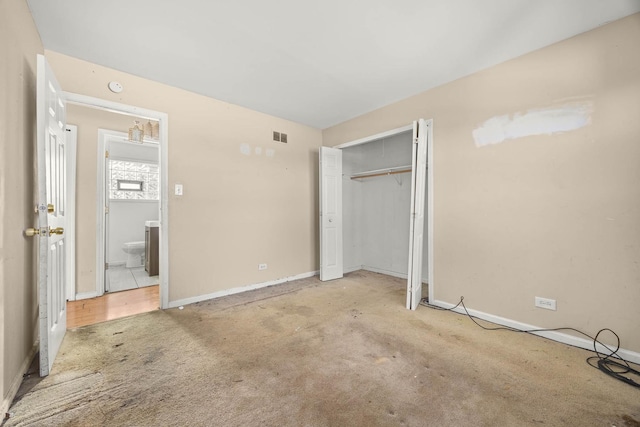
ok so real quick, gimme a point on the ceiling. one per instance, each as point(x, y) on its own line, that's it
point(314, 62)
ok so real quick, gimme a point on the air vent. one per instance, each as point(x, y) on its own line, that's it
point(280, 137)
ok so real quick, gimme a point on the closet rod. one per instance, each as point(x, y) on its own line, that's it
point(382, 172)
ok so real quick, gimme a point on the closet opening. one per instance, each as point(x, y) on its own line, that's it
point(376, 198)
point(373, 208)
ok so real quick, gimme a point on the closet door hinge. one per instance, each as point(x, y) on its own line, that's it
point(106, 154)
point(415, 141)
point(106, 209)
point(106, 265)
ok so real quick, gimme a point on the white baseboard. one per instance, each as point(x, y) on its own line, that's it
point(379, 270)
point(374, 270)
point(223, 293)
point(351, 269)
point(383, 271)
point(86, 295)
point(113, 264)
point(629, 355)
point(17, 380)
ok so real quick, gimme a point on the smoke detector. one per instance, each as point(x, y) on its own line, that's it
point(115, 87)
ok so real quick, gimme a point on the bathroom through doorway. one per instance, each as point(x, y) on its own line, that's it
point(94, 116)
point(131, 184)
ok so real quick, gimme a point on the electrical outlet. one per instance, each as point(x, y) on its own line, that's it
point(262, 266)
point(546, 303)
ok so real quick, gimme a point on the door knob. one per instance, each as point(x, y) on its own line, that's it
point(30, 232)
point(57, 230)
point(50, 208)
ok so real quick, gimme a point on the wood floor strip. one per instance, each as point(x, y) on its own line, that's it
point(112, 306)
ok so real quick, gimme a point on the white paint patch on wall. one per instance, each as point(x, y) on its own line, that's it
point(247, 151)
point(544, 121)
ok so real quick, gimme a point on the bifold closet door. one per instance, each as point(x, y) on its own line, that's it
point(331, 263)
point(421, 133)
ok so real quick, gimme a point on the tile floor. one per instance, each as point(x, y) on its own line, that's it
point(123, 279)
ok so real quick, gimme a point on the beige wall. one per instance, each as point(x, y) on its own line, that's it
point(238, 210)
point(556, 216)
point(19, 44)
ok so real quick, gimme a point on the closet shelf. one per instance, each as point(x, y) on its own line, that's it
point(382, 172)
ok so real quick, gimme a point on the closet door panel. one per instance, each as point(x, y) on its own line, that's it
point(331, 262)
point(418, 192)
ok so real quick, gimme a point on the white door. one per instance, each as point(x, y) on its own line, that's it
point(330, 213)
point(52, 167)
point(421, 133)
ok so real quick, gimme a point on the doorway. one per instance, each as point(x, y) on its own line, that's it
point(131, 181)
point(376, 207)
point(128, 113)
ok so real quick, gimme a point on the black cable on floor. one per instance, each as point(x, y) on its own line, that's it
point(611, 364)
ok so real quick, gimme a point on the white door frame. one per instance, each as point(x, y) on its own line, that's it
point(102, 201)
point(163, 119)
point(430, 186)
point(71, 142)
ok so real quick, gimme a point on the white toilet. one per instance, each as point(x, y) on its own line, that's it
point(134, 251)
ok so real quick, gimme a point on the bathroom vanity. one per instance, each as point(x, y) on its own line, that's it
point(151, 246)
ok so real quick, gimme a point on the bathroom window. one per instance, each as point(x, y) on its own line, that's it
point(130, 180)
point(129, 185)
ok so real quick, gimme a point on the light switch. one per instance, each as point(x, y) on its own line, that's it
point(178, 190)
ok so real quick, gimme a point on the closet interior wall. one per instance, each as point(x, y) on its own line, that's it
point(376, 209)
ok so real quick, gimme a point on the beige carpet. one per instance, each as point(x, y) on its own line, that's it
point(306, 353)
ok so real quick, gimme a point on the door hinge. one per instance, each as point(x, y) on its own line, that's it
point(106, 154)
point(106, 209)
point(106, 265)
point(415, 141)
